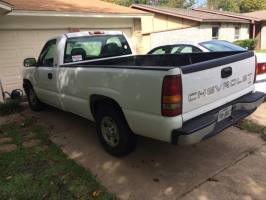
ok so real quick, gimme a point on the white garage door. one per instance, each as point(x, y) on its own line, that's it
point(15, 45)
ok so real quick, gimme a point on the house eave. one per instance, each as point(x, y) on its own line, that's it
point(226, 21)
point(4, 8)
point(76, 14)
point(251, 19)
point(154, 10)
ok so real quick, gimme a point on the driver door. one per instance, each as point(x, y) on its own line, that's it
point(46, 75)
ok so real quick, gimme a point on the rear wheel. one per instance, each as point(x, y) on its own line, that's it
point(113, 131)
point(34, 103)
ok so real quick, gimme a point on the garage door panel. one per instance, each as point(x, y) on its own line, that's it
point(14, 39)
point(7, 54)
point(13, 80)
point(12, 83)
point(11, 71)
point(7, 37)
point(28, 52)
point(6, 65)
point(10, 58)
point(15, 46)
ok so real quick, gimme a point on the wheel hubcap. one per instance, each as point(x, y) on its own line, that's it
point(109, 131)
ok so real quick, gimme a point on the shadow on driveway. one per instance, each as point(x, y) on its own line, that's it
point(156, 170)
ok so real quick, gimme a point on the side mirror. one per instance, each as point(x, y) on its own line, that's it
point(29, 62)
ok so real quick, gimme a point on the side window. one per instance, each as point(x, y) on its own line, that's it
point(159, 51)
point(176, 49)
point(185, 49)
point(237, 33)
point(215, 32)
point(46, 58)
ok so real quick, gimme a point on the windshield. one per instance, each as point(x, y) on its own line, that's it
point(94, 47)
point(219, 45)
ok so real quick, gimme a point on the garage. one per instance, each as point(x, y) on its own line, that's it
point(17, 45)
point(27, 25)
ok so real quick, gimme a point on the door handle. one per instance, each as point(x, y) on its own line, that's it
point(226, 72)
point(50, 76)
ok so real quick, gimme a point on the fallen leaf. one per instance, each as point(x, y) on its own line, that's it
point(96, 193)
point(45, 195)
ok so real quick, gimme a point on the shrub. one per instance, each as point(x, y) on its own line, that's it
point(249, 44)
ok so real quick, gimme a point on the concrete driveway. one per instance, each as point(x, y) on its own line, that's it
point(228, 166)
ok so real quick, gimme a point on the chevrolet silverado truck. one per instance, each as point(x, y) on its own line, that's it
point(177, 98)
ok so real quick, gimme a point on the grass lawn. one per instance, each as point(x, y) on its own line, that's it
point(38, 169)
point(253, 128)
point(261, 51)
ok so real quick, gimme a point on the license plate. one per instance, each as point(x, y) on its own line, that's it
point(224, 113)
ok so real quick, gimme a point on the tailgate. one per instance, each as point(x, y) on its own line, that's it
point(210, 84)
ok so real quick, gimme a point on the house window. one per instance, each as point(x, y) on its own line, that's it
point(237, 32)
point(215, 32)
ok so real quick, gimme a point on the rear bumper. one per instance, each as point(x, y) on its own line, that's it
point(206, 125)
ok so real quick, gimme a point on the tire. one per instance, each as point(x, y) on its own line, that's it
point(34, 103)
point(113, 131)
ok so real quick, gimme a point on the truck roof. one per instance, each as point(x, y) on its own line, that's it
point(92, 33)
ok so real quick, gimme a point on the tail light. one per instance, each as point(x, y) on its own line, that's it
point(261, 68)
point(172, 96)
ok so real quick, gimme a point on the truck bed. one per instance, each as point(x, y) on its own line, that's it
point(186, 62)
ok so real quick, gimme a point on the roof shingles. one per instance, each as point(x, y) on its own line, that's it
point(261, 14)
point(189, 14)
point(91, 6)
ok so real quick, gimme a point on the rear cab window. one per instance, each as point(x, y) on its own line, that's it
point(94, 47)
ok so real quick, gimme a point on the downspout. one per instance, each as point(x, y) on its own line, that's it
point(254, 31)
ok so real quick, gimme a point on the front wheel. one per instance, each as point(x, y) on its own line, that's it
point(34, 103)
point(114, 132)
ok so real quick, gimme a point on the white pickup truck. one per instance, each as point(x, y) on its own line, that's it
point(181, 98)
